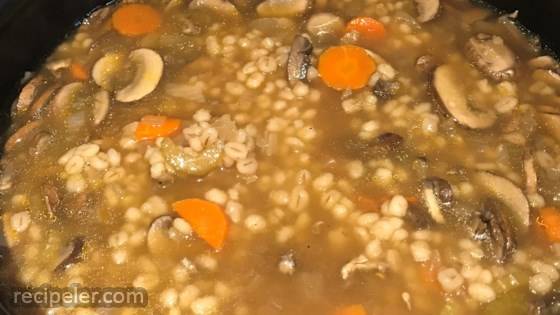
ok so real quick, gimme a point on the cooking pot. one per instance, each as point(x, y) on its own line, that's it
point(31, 29)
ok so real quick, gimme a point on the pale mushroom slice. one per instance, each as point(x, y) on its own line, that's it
point(508, 193)
point(64, 97)
point(450, 91)
point(222, 7)
point(282, 8)
point(106, 68)
point(149, 69)
point(427, 10)
point(100, 106)
point(23, 134)
point(490, 55)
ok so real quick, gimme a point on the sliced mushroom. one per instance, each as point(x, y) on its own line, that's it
point(508, 193)
point(22, 135)
point(282, 8)
point(222, 7)
point(28, 93)
point(437, 195)
point(106, 68)
point(491, 55)
point(149, 69)
point(163, 238)
point(418, 217)
point(100, 106)
point(449, 88)
point(322, 25)
point(72, 254)
point(492, 228)
point(299, 59)
point(63, 99)
point(43, 99)
point(188, 164)
point(385, 90)
point(362, 263)
point(551, 121)
point(427, 10)
point(390, 141)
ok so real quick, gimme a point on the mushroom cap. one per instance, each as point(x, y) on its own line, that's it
point(449, 88)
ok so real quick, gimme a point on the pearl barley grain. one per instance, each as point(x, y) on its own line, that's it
point(450, 279)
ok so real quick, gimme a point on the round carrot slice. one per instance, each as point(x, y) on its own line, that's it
point(346, 67)
point(136, 19)
point(207, 219)
point(368, 28)
point(151, 127)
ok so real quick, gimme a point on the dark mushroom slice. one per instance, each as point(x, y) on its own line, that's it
point(490, 55)
point(385, 90)
point(418, 218)
point(43, 99)
point(389, 141)
point(438, 196)
point(72, 254)
point(508, 193)
point(492, 228)
point(546, 305)
point(299, 59)
point(28, 93)
point(427, 10)
point(22, 135)
point(451, 93)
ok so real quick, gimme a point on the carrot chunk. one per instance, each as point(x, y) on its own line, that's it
point(207, 219)
point(356, 309)
point(549, 220)
point(136, 19)
point(151, 127)
point(346, 67)
point(368, 28)
point(78, 72)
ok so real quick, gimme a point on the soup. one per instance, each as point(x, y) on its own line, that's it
point(289, 157)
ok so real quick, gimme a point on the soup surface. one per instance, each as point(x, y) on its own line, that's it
point(290, 157)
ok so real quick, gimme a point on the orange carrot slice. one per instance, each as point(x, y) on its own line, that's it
point(368, 28)
point(346, 67)
point(136, 19)
point(151, 127)
point(356, 309)
point(207, 219)
point(549, 220)
point(78, 72)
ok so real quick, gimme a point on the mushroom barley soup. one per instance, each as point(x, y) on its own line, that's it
point(291, 157)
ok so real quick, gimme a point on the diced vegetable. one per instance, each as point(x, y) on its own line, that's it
point(136, 19)
point(369, 29)
point(151, 127)
point(346, 67)
point(428, 275)
point(78, 71)
point(207, 219)
point(549, 219)
point(356, 309)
